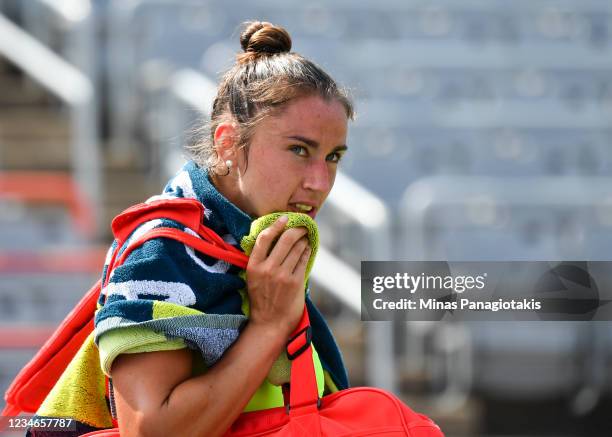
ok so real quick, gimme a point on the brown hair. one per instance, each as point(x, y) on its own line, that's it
point(266, 76)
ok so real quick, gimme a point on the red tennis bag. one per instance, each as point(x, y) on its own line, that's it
point(362, 411)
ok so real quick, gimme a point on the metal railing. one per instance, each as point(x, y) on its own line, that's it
point(355, 203)
point(371, 215)
point(74, 20)
point(76, 90)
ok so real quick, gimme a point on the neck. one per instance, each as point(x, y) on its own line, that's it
point(226, 185)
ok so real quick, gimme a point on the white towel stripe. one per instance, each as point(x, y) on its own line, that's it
point(174, 292)
point(218, 267)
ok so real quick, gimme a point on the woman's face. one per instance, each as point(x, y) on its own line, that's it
point(292, 159)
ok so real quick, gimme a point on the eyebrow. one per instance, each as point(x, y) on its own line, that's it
point(314, 144)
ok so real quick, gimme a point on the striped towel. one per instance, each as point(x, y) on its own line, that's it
point(168, 297)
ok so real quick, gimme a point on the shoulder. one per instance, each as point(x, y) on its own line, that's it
point(133, 227)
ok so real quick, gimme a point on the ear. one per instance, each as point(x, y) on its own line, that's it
point(226, 135)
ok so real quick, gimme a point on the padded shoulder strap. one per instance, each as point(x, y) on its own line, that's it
point(188, 212)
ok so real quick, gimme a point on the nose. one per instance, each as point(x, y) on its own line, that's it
point(319, 177)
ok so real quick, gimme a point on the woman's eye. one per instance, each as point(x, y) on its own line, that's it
point(334, 157)
point(299, 150)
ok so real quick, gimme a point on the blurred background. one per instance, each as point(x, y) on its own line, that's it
point(483, 132)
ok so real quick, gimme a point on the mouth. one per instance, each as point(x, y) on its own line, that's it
point(304, 208)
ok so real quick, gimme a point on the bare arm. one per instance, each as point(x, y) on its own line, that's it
point(155, 393)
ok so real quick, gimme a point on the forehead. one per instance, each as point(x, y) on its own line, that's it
point(310, 116)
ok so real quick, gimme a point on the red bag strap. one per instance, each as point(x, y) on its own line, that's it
point(304, 393)
point(188, 212)
point(232, 256)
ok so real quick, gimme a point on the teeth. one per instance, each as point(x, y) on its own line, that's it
point(303, 207)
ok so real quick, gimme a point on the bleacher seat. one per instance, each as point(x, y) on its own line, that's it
point(497, 87)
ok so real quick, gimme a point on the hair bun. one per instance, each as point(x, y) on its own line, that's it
point(263, 38)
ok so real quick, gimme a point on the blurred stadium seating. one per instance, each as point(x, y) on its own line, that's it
point(484, 127)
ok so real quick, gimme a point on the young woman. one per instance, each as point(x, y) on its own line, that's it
point(277, 132)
